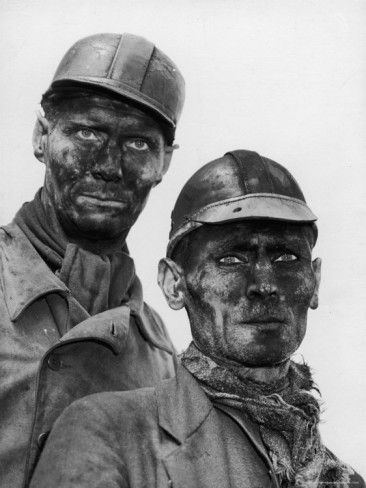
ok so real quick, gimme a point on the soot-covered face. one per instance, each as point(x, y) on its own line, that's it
point(102, 158)
point(248, 288)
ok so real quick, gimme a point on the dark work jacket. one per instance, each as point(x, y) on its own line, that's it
point(168, 436)
point(43, 371)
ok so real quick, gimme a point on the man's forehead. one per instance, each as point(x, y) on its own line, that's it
point(99, 111)
point(251, 233)
point(95, 103)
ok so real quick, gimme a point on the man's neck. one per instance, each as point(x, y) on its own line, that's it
point(99, 246)
point(264, 374)
point(258, 374)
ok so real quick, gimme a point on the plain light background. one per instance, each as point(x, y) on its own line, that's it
point(285, 78)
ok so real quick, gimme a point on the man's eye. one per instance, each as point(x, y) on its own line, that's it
point(138, 144)
point(231, 260)
point(286, 258)
point(86, 135)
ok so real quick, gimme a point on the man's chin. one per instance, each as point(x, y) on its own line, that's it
point(271, 358)
point(261, 357)
point(100, 227)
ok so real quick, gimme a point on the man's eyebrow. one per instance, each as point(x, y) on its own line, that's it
point(133, 129)
point(286, 242)
point(273, 243)
point(284, 247)
point(230, 245)
point(297, 245)
point(75, 119)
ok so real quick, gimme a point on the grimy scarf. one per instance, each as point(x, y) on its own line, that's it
point(288, 417)
point(98, 282)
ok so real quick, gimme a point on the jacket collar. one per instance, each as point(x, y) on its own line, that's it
point(112, 330)
point(182, 405)
point(25, 276)
point(184, 413)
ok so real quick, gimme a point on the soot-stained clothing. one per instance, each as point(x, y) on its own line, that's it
point(99, 277)
point(171, 435)
point(287, 414)
point(53, 351)
point(168, 436)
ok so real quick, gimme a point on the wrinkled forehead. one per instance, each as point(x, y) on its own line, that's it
point(98, 105)
point(251, 234)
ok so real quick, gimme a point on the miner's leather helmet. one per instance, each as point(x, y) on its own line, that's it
point(129, 66)
point(242, 185)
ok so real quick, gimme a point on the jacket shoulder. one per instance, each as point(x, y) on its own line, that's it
point(11, 230)
point(112, 410)
point(9, 234)
point(158, 324)
point(12, 239)
point(155, 329)
point(97, 439)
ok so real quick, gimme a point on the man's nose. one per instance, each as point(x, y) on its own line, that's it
point(262, 283)
point(108, 165)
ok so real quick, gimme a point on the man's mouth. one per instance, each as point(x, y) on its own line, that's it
point(101, 200)
point(264, 320)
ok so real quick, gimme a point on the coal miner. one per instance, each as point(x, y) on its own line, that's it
point(241, 412)
point(72, 317)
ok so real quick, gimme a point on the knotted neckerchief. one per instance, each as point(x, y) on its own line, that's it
point(287, 415)
point(98, 282)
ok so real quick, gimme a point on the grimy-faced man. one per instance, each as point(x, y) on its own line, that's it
point(240, 413)
point(72, 316)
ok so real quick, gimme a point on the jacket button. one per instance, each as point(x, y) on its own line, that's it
point(54, 362)
point(42, 439)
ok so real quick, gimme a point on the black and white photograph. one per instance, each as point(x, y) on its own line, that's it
point(182, 233)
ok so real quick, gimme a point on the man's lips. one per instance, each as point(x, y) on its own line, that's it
point(264, 320)
point(102, 200)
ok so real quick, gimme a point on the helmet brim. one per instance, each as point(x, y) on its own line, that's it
point(254, 206)
point(118, 88)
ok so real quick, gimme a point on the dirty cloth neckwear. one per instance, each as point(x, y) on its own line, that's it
point(98, 282)
point(287, 415)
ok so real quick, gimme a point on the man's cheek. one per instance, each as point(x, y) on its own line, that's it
point(225, 291)
point(303, 290)
point(145, 172)
point(66, 166)
point(234, 292)
point(201, 282)
point(60, 180)
point(297, 287)
point(138, 197)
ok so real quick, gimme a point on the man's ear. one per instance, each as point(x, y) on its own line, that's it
point(317, 265)
point(168, 153)
point(40, 133)
point(171, 282)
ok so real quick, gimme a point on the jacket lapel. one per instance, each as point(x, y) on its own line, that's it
point(25, 276)
point(193, 451)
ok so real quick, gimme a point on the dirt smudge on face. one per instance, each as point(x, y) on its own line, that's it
point(93, 149)
point(252, 307)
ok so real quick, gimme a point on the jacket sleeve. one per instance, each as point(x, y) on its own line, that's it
point(82, 451)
